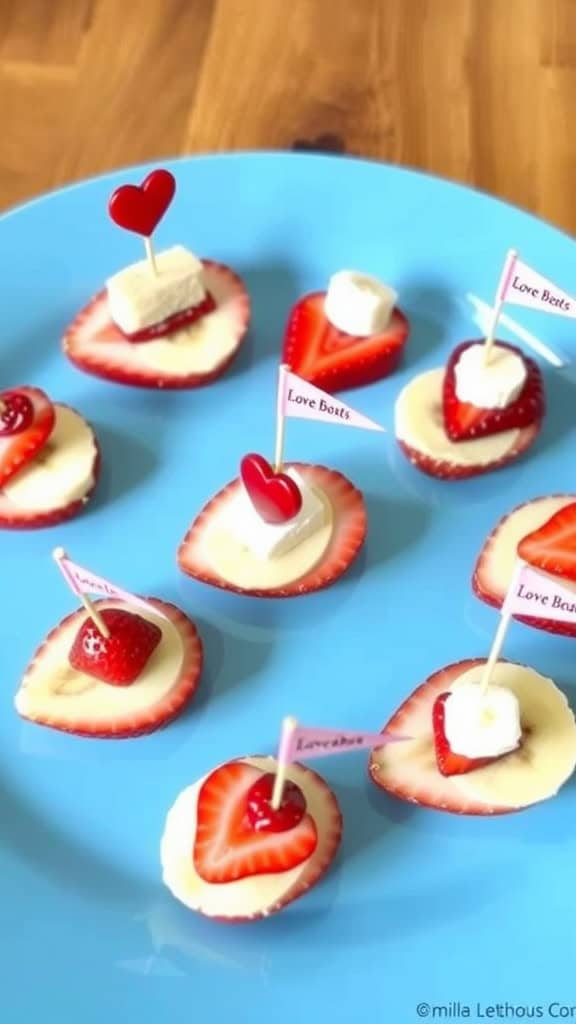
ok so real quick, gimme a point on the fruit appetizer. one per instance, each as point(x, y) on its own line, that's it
point(115, 672)
point(276, 534)
point(49, 460)
point(171, 320)
point(542, 533)
point(479, 750)
point(479, 413)
point(349, 335)
point(228, 854)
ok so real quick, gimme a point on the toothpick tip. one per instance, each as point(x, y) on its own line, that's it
point(58, 554)
point(290, 722)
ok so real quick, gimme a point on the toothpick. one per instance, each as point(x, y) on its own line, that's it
point(289, 726)
point(503, 625)
point(151, 257)
point(58, 554)
point(280, 418)
point(499, 299)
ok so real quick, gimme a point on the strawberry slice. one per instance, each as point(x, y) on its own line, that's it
point(198, 355)
point(227, 846)
point(54, 694)
point(450, 763)
point(26, 422)
point(552, 547)
point(409, 770)
point(514, 535)
point(444, 469)
point(122, 656)
point(332, 360)
point(349, 532)
point(464, 421)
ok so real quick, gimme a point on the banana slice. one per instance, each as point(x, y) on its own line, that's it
point(547, 756)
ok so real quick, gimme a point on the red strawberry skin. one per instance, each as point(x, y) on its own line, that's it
point(552, 547)
point(120, 658)
point(425, 786)
point(350, 526)
point(450, 763)
point(18, 449)
point(157, 716)
point(332, 360)
point(485, 592)
point(223, 284)
point(464, 421)
point(227, 847)
point(14, 518)
point(443, 470)
point(174, 323)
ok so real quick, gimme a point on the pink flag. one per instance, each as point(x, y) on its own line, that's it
point(523, 286)
point(298, 398)
point(304, 742)
point(538, 595)
point(82, 581)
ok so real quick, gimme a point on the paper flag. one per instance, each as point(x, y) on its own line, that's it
point(305, 743)
point(538, 595)
point(300, 399)
point(523, 286)
point(82, 581)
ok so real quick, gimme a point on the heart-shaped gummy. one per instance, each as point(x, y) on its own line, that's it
point(140, 208)
point(275, 496)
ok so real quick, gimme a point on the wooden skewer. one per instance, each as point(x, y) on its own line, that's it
point(58, 554)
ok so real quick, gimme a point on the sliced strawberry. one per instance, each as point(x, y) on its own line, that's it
point(450, 763)
point(176, 322)
point(444, 470)
point(464, 421)
point(349, 532)
point(552, 547)
point(52, 693)
point(16, 517)
point(120, 658)
point(409, 770)
point(97, 346)
point(227, 846)
point(26, 422)
point(332, 360)
point(495, 564)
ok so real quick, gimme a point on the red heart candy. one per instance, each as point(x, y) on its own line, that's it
point(275, 496)
point(140, 208)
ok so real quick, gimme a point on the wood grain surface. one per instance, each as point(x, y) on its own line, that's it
point(480, 91)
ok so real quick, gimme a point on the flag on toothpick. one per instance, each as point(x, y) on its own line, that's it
point(523, 286)
point(300, 399)
point(538, 595)
point(83, 582)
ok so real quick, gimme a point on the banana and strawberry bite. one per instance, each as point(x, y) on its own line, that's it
point(541, 533)
point(349, 335)
point(170, 321)
point(478, 414)
point(228, 854)
point(49, 460)
point(276, 534)
point(121, 674)
point(475, 749)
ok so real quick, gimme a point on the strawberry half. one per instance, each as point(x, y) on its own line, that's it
point(96, 345)
point(409, 770)
point(52, 692)
point(227, 846)
point(349, 532)
point(464, 421)
point(552, 547)
point(59, 508)
point(515, 535)
point(332, 360)
point(450, 763)
point(311, 844)
point(26, 422)
point(122, 656)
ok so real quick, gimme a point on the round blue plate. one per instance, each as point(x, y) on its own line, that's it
point(420, 908)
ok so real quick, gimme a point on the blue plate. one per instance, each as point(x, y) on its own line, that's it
point(420, 907)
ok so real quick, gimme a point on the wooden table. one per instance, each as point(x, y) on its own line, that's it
point(481, 91)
